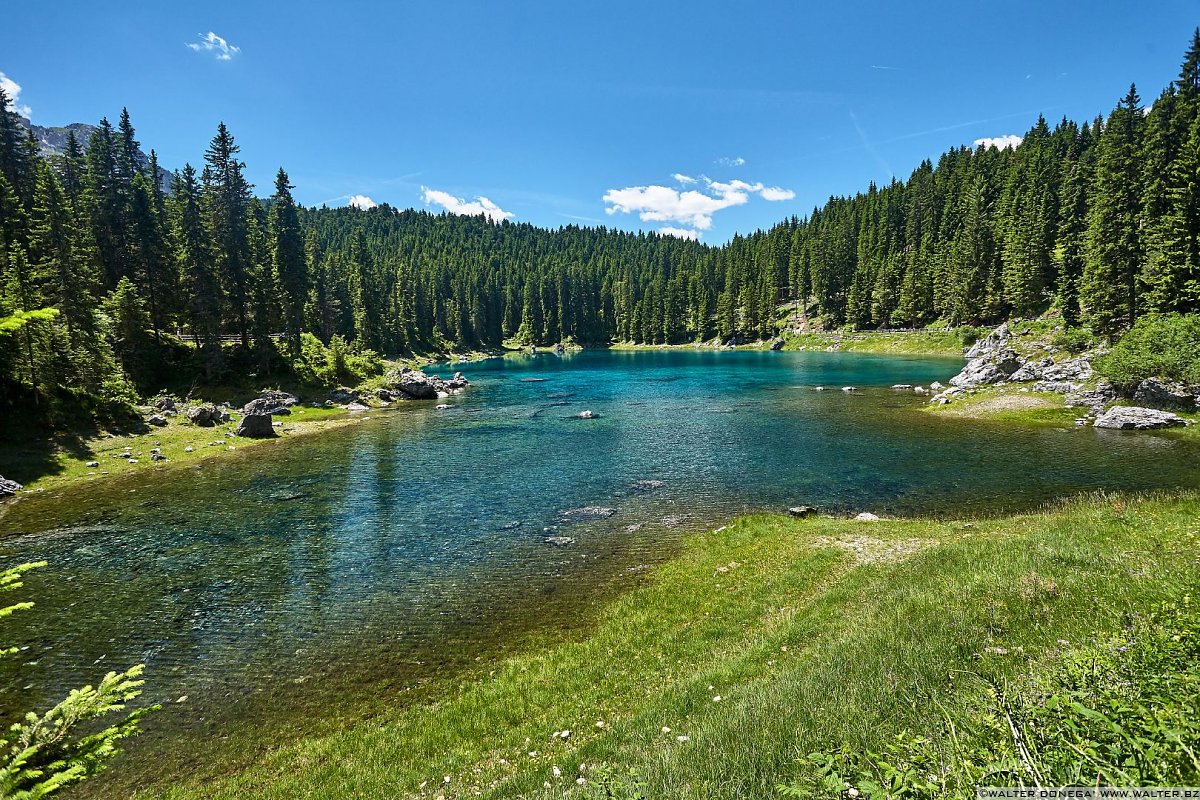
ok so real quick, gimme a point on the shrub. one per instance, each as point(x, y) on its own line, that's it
point(1073, 340)
point(341, 363)
point(1158, 346)
point(970, 334)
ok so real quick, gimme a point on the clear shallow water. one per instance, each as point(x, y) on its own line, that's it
point(348, 568)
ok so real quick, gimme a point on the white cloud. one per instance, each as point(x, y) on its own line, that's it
point(690, 207)
point(361, 202)
point(1006, 142)
point(685, 179)
point(457, 205)
point(13, 90)
point(211, 43)
point(775, 194)
point(725, 161)
point(682, 233)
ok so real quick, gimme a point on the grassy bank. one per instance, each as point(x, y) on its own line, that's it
point(922, 342)
point(63, 460)
point(764, 641)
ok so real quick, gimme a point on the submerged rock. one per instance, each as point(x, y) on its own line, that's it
point(587, 414)
point(1139, 419)
point(587, 512)
point(559, 541)
point(255, 426)
point(648, 485)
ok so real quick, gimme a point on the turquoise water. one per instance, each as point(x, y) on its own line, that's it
point(362, 562)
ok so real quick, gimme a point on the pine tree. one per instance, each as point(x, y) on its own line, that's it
point(291, 271)
point(1109, 292)
point(196, 266)
point(227, 202)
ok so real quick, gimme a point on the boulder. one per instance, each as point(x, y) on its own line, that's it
point(866, 516)
point(1032, 371)
point(265, 405)
point(9, 487)
point(1139, 419)
point(802, 512)
point(1075, 369)
point(342, 396)
point(278, 398)
point(255, 426)
point(776, 344)
point(157, 420)
point(165, 403)
point(1166, 395)
point(418, 386)
point(205, 416)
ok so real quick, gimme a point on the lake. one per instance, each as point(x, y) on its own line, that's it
point(328, 578)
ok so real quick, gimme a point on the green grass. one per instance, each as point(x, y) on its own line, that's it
point(929, 341)
point(46, 464)
point(813, 633)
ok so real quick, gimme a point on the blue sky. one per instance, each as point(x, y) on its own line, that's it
point(703, 118)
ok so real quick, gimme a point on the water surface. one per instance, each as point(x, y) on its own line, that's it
point(352, 567)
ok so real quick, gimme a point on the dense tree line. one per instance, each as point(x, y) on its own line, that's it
point(1099, 221)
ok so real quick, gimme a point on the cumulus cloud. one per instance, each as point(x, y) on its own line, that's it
point(13, 90)
point(691, 207)
point(725, 161)
point(361, 202)
point(211, 43)
point(775, 194)
point(480, 206)
point(682, 233)
point(685, 179)
point(1006, 142)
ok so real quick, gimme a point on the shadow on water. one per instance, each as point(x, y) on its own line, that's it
point(306, 584)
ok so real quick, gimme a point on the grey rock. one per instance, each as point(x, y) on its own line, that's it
point(866, 516)
point(157, 420)
point(265, 405)
point(990, 344)
point(1057, 387)
point(278, 398)
point(1094, 399)
point(9, 487)
point(205, 416)
point(802, 512)
point(93, 464)
point(342, 396)
point(1139, 419)
point(255, 426)
point(1166, 395)
point(776, 344)
point(559, 541)
point(587, 512)
point(165, 403)
point(902, 386)
point(648, 485)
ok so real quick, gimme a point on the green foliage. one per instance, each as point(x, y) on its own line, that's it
point(1123, 710)
point(338, 364)
point(1162, 346)
point(45, 752)
point(970, 334)
point(1073, 340)
point(14, 322)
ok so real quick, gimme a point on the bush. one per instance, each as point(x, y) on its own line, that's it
point(1121, 711)
point(1073, 340)
point(342, 363)
point(1158, 346)
point(970, 334)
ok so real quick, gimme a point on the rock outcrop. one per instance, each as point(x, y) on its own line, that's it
point(9, 487)
point(1134, 418)
point(411, 384)
point(1165, 395)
